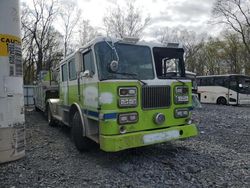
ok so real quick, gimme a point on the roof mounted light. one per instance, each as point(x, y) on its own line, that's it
point(173, 45)
point(130, 39)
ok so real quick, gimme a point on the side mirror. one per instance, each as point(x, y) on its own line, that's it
point(85, 74)
point(113, 66)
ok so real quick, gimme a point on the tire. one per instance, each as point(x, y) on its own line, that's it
point(221, 100)
point(50, 118)
point(81, 142)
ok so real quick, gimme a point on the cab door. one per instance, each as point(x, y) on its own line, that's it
point(88, 84)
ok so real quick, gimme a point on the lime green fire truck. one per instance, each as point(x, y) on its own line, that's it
point(124, 93)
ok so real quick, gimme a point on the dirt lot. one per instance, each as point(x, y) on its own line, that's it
point(218, 157)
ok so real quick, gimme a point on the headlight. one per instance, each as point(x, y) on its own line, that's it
point(127, 91)
point(128, 118)
point(181, 90)
point(181, 113)
point(181, 93)
point(128, 96)
point(159, 118)
point(127, 102)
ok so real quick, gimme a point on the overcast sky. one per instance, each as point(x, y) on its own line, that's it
point(191, 14)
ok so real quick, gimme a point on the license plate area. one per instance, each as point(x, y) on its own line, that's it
point(182, 98)
point(160, 137)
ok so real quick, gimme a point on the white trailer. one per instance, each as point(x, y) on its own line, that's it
point(12, 127)
point(47, 87)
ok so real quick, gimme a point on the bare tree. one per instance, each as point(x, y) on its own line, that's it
point(236, 15)
point(37, 31)
point(125, 21)
point(69, 17)
point(86, 32)
point(211, 58)
point(189, 39)
point(231, 52)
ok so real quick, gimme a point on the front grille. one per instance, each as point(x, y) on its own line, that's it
point(155, 97)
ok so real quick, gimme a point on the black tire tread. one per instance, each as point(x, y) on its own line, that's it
point(82, 143)
point(222, 101)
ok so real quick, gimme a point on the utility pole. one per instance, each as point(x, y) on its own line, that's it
point(12, 125)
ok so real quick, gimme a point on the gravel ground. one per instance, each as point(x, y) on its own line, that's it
point(218, 157)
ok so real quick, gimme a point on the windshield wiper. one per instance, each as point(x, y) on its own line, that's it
point(113, 48)
point(134, 75)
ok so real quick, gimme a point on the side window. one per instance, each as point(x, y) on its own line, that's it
point(88, 62)
point(198, 81)
point(226, 82)
point(219, 81)
point(204, 81)
point(210, 81)
point(207, 81)
point(233, 84)
point(64, 72)
point(72, 70)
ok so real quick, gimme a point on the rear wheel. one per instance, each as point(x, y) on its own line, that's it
point(82, 143)
point(221, 100)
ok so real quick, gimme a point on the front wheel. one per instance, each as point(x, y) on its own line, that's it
point(221, 100)
point(82, 143)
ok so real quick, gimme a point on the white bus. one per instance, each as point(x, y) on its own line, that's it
point(232, 89)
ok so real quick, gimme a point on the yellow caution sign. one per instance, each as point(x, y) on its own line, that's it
point(5, 40)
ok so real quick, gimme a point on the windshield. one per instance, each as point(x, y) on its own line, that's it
point(133, 59)
point(169, 62)
point(244, 85)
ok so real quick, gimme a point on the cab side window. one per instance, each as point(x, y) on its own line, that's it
point(72, 70)
point(88, 62)
point(64, 72)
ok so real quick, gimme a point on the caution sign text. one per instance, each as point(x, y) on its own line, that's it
point(5, 41)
